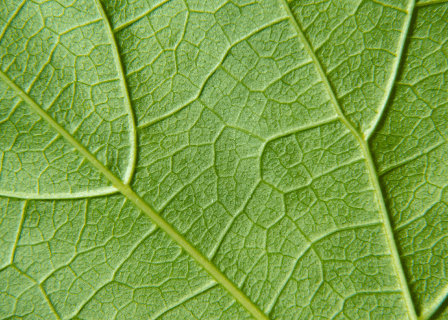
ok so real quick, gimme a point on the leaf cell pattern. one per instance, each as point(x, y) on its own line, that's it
point(287, 159)
point(62, 57)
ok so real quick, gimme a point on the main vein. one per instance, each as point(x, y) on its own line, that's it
point(371, 166)
point(142, 205)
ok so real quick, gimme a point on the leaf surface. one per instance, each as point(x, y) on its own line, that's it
point(184, 159)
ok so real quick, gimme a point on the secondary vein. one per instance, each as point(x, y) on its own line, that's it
point(133, 132)
point(50, 304)
point(127, 191)
point(19, 231)
point(60, 196)
point(424, 4)
point(436, 307)
point(139, 17)
point(371, 167)
point(393, 77)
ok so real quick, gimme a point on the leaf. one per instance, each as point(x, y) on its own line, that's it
point(185, 159)
point(65, 60)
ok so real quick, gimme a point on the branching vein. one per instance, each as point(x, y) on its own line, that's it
point(371, 167)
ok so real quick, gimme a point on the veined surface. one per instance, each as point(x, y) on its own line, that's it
point(186, 159)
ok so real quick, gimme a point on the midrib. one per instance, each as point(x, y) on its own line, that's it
point(368, 157)
point(127, 191)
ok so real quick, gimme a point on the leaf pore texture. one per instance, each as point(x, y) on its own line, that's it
point(224, 159)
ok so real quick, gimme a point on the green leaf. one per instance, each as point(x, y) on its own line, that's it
point(187, 159)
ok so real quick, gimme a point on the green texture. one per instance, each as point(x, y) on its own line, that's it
point(224, 159)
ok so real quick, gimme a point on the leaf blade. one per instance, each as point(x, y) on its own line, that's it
point(83, 91)
point(259, 203)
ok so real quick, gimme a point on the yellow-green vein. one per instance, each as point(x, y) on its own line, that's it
point(142, 205)
point(369, 161)
point(424, 4)
point(133, 132)
point(393, 77)
point(139, 17)
point(19, 231)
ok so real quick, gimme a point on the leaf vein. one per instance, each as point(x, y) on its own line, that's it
point(371, 167)
point(218, 65)
point(207, 287)
point(132, 127)
point(139, 17)
point(424, 4)
point(142, 205)
point(393, 77)
point(19, 231)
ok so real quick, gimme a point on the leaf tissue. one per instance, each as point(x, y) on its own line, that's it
point(224, 159)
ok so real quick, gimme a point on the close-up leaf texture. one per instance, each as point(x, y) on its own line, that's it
point(224, 159)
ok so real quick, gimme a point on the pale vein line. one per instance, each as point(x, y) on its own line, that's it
point(223, 235)
point(434, 307)
point(218, 65)
point(370, 165)
point(132, 126)
point(5, 267)
point(13, 266)
point(2, 34)
point(272, 304)
point(340, 166)
point(416, 218)
point(144, 238)
point(128, 23)
point(424, 4)
point(140, 203)
point(19, 231)
point(50, 304)
point(348, 228)
point(309, 246)
point(112, 280)
point(304, 128)
point(393, 77)
point(81, 25)
point(207, 287)
point(389, 6)
point(406, 161)
point(60, 196)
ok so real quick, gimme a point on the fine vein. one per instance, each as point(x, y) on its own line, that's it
point(128, 23)
point(8, 23)
point(19, 232)
point(207, 287)
point(217, 66)
point(406, 161)
point(142, 205)
point(371, 167)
